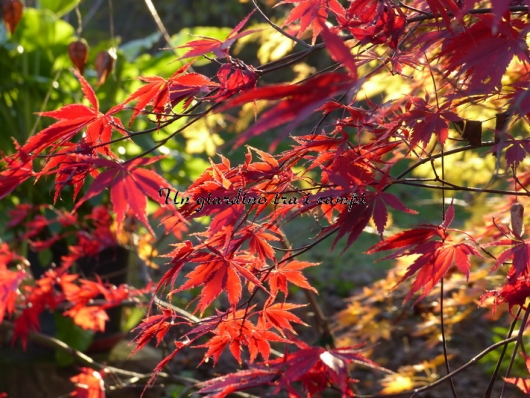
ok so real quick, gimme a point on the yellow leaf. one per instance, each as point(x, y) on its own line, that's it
point(146, 251)
point(202, 135)
point(396, 383)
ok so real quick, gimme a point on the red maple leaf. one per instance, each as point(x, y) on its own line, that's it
point(279, 317)
point(517, 149)
point(65, 174)
point(9, 283)
point(73, 119)
point(235, 78)
point(521, 383)
point(179, 257)
point(380, 214)
point(339, 51)
point(86, 315)
point(311, 12)
point(478, 45)
point(129, 184)
point(444, 8)
point(426, 120)
point(152, 326)
point(255, 376)
point(519, 253)
point(163, 94)
point(236, 331)
point(289, 272)
point(372, 21)
point(436, 257)
point(218, 47)
point(515, 292)
point(259, 240)
point(314, 367)
point(18, 169)
point(89, 384)
point(218, 273)
point(302, 100)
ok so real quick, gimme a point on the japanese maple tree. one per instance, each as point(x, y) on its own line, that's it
point(341, 150)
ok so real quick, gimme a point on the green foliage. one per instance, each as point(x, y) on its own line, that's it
point(59, 7)
point(70, 334)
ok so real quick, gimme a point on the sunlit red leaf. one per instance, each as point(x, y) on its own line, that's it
point(218, 47)
point(72, 119)
point(468, 51)
point(89, 384)
point(372, 21)
point(129, 185)
point(9, 283)
point(339, 51)
point(17, 171)
point(279, 316)
point(89, 317)
point(436, 256)
point(152, 326)
point(522, 383)
point(519, 253)
point(289, 272)
point(302, 100)
point(311, 12)
point(163, 94)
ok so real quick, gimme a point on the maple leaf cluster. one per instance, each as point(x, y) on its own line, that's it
point(339, 172)
point(85, 301)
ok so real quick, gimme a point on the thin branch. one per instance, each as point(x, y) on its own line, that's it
point(320, 319)
point(277, 28)
point(444, 340)
point(473, 12)
point(178, 310)
point(487, 394)
point(472, 361)
point(159, 22)
point(84, 359)
point(458, 188)
point(517, 343)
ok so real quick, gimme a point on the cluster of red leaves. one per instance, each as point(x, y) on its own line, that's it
point(314, 367)
point(88, 384)
point(57, 287)
point(436, 257)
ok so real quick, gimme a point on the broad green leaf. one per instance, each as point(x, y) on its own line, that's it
point(40, 30)
point(134, 317)
point(72, 335)
point(59, 7)
point(132, 49)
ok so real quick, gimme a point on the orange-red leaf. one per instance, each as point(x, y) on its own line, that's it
point(311, 12)
point(289, 272)
point(279, 316)
point(129, 184)
point(89, 384)
point(218, 47)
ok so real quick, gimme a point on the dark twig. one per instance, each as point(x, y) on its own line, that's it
point(277, 28)
point(487, 394)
